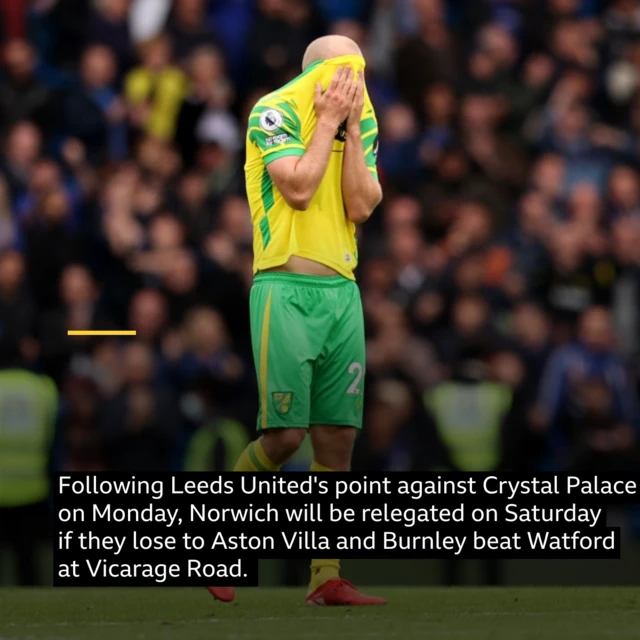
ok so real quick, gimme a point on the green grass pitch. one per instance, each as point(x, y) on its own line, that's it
point(279, 614)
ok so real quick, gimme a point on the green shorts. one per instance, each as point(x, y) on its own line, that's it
point(307, 334)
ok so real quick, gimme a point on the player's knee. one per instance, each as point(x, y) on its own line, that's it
point(332, 446)
point(281, 444)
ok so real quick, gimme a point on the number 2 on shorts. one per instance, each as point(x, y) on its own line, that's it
point(355, 369)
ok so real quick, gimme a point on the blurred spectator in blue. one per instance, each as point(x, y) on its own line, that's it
point(542, 20)
point(428, 56)
point(22, 95)
point(600, 440)
point(148, 316)
point(109, 26)
point(192, 206)
point(94, 113)
point(164, 238)
point(574, 278)
point(395, 439)
point(440, 110)
point(59, 29)
point(207, 350)
point(50, 239)
point(623, 193)
point(469, 331)
point(140, 423)
point(527, 240)
point(548, 177)
point(398, 144)
point(183, 284)
point(78, 310)
point(188, 28)
point(17, 304)
point(279, 36)
point(21, 151)
point(334, 10)
point(591, 356)
point(532, 336)
point(497, 158)
point(568, 132)
point(232, 22)
point(45, 178)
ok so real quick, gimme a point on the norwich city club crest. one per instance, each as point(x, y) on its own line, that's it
point(282, 401)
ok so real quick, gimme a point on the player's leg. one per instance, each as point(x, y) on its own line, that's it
point(271, 450)
point(280, 350)
point(336, 414)
point(332, 447)
point(282, 355)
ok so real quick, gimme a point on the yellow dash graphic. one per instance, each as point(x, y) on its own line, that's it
point(101, 333)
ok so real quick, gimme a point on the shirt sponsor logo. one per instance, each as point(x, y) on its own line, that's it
point(279, 139)
point(271, 119)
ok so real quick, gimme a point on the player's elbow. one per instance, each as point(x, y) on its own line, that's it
point(361, 211)
point(359, 215)
point(298, 199)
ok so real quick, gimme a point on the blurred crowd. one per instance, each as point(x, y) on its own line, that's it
point(499, 276)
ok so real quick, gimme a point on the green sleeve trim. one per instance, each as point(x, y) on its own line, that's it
point(281, 153)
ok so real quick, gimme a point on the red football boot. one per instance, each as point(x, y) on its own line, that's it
point(224, 594)
point(339, 592)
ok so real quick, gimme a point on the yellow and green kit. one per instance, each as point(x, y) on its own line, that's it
point(307, 332)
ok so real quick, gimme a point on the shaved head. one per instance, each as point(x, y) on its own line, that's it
point(329, 47)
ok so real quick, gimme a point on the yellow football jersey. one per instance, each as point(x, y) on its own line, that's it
point(282, 124)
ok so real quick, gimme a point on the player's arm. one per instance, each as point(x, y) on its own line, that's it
point(361, 190)
point(298, 178)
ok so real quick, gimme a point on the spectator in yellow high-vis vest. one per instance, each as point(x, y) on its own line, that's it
point(28, 410)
